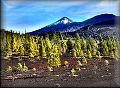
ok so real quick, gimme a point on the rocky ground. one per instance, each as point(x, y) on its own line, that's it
point(94, 74)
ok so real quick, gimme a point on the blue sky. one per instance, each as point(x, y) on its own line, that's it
point(31, 15)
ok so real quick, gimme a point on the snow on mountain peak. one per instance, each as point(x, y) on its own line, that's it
point(63, 20)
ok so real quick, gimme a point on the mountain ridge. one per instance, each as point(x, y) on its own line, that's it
point(67, 25)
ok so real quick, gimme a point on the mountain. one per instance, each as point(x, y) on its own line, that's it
point(63, 20)
point(57, 26)
point(103, 22)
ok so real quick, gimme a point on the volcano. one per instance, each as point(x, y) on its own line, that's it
point(66, 25)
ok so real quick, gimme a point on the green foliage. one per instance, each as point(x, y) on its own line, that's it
point(73, 53)
point(104, 48)
point(50, 68)
point(66, 63)
point(42, 51)
point(34, 69)
point(19, 66)
point(93, 42)
point(84, 61)
point(89, 48)
point(106, 62)
point(54, 57)
point(53, 46)
point(77, 36)
point(79, 63)
point(73, 71)
point(26, 45)
point(25, 68)
point(83, 44)
point(94, 52)
point(48, 44)
point(79, 51)
point(70, 45)
point(9, 68)
point(22, 50)
point(31, 48)
point(89, 54)
point(6, 45)
point(56, 38)
point(98, 54)
point(61, 36)
point(63, 46)
point(14, 43)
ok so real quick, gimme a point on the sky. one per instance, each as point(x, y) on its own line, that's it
point(31, 15)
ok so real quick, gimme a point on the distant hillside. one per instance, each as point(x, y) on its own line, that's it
point(104, 24)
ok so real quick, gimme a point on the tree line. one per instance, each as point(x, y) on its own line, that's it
point(53, 46)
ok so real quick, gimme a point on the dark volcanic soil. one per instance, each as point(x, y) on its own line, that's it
point(88, 76)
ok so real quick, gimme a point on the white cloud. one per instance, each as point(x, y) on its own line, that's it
point(108, 3)
point(10, 3)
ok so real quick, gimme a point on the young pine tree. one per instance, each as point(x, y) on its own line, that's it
point(42, 48)
point(14, 43)
point(89, 54)
point(48, 44)
point(22, 50)
point(70, 45)
point(54, 57)
point(84, 61)
point(83, 44)
point(31, 48)
point(73, 52)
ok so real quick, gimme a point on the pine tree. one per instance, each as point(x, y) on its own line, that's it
point(31, 48)
point(42, 48)
point(55, 37)
point(89, 48)
point(94, 52)
point(94, 45)
point(19, 42)
point(14, 43)
point(48, 44)
point(19, 67)
point(36, 45)
point(79, 63)
point(89, 54)
point(115, 48)
point(106, 62)
point(70, 45)
point(66, 63)
point(54, 57)
point(61, 36)
point(103, 48)
point(77, 36)
point(22, 50)
point(25, 68)
point(81, 54)
point(98, 54)
point(106, 48)
point(84, 61)
point(78, 49)
point(63, 45)
point(3, 42)
point(83, 44)
point(9, 68)
point(73, 52)
point(100, 37)
point(8, 47)
point(73, 71)
point(34, 70)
